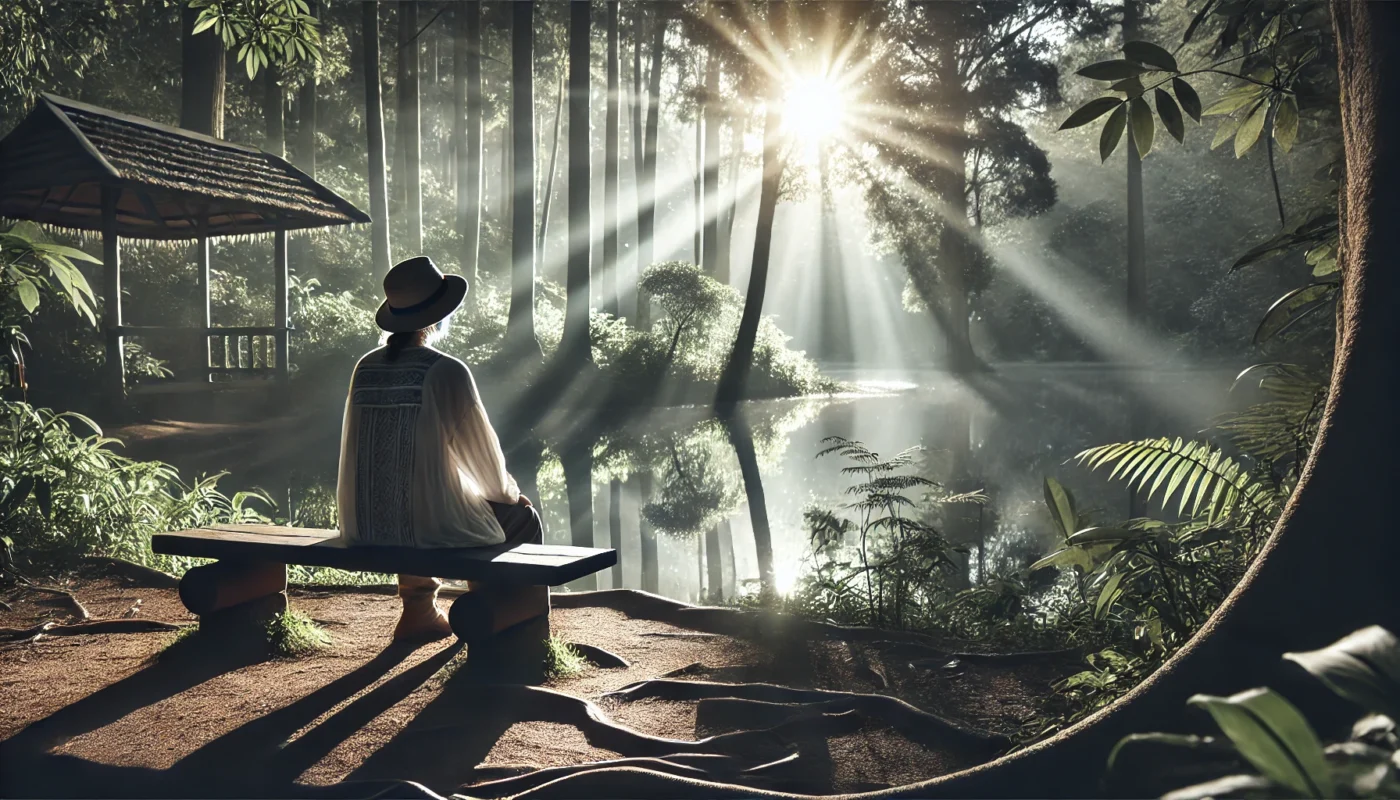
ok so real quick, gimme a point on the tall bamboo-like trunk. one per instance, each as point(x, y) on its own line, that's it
point(736, 371)
point(466, 131)
point(710, 245)
point(611, 269)
point(697, 191)
point(274, 117)
point(646, 213)
point(410, 142)
point(955, 247)
point(202, 77)
point(577, 344)
point(520, 325)
point(380, 259)
point(637, 109)
point(577, 460)
point(615, 528)
point(303, 252)
point(834, 342)
point(1137, 236)
point(731, 200)
point(547, 198)
point(651, 568)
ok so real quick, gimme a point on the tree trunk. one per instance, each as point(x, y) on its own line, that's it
point(542, 239)
point(651, 570)
point(1137, 237)
point(710, 245)
point(577, 343)
point(374, 126)
point(646, 213)
point(410, 142)
point(834, 339)
point(638, 112)
point(466, 131)
point(714, 566)
point(736, 371)
point(723, 268)
point(615, 528)
point(577, 459)
point(520, 326)
point(613, 303)
point(202, 68)
point(274, 119)
point(697, 189)
point(303, 252)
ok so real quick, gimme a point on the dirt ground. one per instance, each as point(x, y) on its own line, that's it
point(200, 722)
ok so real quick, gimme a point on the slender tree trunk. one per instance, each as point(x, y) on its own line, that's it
point(638, 110)
point(697, 191)
point(577, 342)
point(274, 117)
point(520, 326)
point(303, 252)
point(410, 122)
point(615, 528)
point(955, 256)
point(736, 371)
point(646, 214)
point(723, 269)
point(714, 566)
point(374, 125)
point(577, 459)
point(651, 569)
point(710, 244)
point(835, 336)
point(613, 305)
point(202, 77)
point(466, 131)
point(1137, 237)
point(547, 200)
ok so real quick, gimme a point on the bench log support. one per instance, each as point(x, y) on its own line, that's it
point(488, 609)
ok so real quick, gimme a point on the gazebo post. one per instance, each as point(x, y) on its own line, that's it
point(112, 291)
point(283, 319)
point(201, 250)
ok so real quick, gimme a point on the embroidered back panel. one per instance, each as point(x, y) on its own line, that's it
point(388, 395)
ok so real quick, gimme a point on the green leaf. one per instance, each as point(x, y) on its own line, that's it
point(1103, 534)
point(1293, 307)
point(28, 295)
point(1143, 126)
point(1113, 131)
point(1286, 122)
point(1363, 667)
point(1234, 100)
point(1090, 111)
point(1250, 129)
point(207, 18)
point(69, 252)
point(1115, 70)
point(1190, 101)
point(1207, 744)
point(1061, 506)
point(1170, 114)
point(1108, 595)
point(1132, 87)
point(1274, 737)
point(1150, 54)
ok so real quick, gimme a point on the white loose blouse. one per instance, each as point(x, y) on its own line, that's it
point(419, 460)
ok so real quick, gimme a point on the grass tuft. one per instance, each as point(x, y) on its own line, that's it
point(563, 660)
point(292, 633)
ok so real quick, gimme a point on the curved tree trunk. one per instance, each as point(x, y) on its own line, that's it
point(374, 125)
point(577, 344)
point(520, 325)
point(547, 196)
point(1328, 568)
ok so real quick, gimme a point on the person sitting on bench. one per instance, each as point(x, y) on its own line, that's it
point(420, 464)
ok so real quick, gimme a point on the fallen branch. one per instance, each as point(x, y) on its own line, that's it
point(693, 765)
point(92, 627)
point(694, 668)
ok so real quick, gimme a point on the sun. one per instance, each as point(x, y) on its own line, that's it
point(814, 110)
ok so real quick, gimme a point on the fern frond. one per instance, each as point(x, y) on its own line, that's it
point(1284, 425)
point(1201, 477)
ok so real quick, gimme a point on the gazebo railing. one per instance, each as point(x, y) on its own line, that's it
point(231, 353)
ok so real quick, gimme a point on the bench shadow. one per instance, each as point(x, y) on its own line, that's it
point(441, 747)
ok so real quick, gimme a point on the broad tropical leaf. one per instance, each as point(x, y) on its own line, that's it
point(1150, 54)
point(1190, 101)
point(1363, 667)
point(1294, 307)
point(1091, 111)
point(1274, 737)
point(1143, 126)
point(1170, 114)
point(1113, 131)
point(1115, 70)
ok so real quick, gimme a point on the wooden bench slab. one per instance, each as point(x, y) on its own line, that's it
point(527, 564)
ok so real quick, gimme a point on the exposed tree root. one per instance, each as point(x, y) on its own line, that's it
point(694, 668)
point(735, 622)
point(693, 765)
point(140, 573)
point(94, 626)
point(917, 725)
point(78, 609)
point(599, 657)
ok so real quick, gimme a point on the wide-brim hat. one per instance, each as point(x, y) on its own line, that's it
point(418, 295)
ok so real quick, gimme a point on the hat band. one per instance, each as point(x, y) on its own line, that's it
point(416, 307)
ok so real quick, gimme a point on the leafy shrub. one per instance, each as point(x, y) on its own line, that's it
point(89, 499)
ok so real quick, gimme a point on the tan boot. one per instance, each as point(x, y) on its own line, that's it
point(422, 620)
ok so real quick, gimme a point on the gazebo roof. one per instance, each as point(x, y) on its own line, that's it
point(54, 164)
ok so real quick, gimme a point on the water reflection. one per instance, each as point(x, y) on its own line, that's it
point(703, 509)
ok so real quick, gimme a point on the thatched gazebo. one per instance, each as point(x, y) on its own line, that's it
point(77, 166)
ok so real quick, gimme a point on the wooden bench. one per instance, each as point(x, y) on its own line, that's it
point(510, 584)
